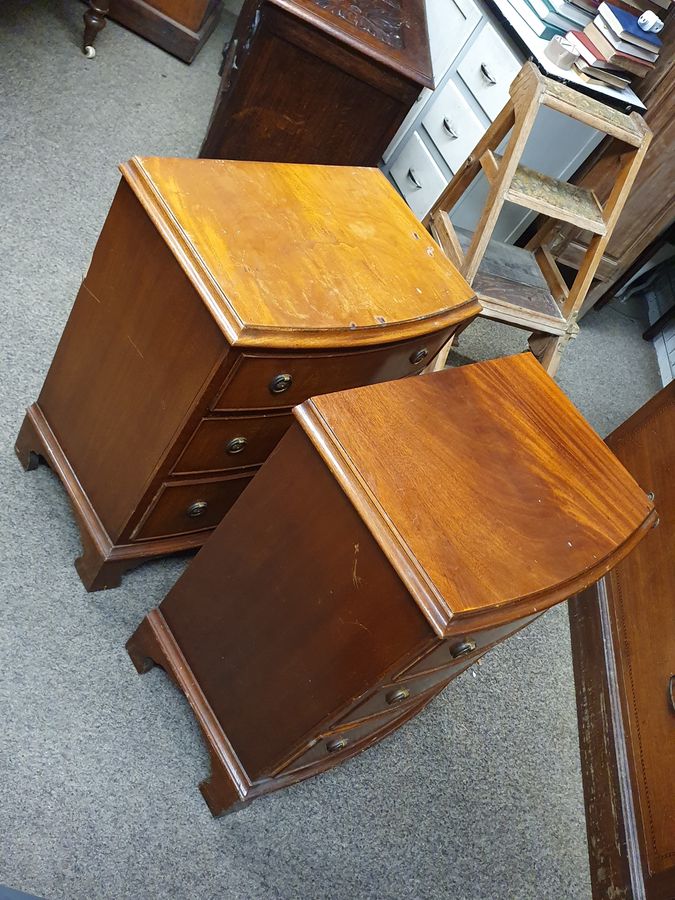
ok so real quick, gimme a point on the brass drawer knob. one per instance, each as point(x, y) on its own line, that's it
point(418, 356)
point(462, 648)
point(236, 445)
point(337, 744)
point(280, 383)
point(196, 509)
point(398, 696)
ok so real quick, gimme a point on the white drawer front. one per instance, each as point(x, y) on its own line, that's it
point(418, 177)
point(488, 69)
point(450, 23)
point(452, 126)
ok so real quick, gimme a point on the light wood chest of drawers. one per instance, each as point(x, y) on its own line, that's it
point(219, 296)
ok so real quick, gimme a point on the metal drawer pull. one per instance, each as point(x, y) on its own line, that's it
point(398, 696)
point(198, 508)
point(486, 74)
point(447, 125)
point(411, 176)
point(337, 744)
point(671, 691)
point(280, 383)
point(236, 445)
point(463, 648)
point(418, 356)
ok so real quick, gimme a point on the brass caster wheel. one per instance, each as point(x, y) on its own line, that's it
point(89, 52)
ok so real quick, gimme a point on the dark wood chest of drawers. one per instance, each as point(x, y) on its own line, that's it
point(319, 81)
point(218, 297)
point(397, 532)
point(178, 26)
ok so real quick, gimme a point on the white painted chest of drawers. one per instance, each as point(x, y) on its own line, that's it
point(474, 61)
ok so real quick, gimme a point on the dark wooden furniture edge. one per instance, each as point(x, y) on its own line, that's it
point(604, 769)
point(433, 606)
point(228, 787)
point(350, 36)
point(162, 30)
point(101, 565)
point(94, 22)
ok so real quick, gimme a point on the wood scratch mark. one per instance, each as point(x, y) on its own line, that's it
point(355, 578)
point(135, 347)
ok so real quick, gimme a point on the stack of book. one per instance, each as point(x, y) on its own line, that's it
point(613, 47)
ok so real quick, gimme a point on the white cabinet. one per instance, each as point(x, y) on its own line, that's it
point(450, 24)
point(474, 61)
point(488, 69)
point(417, 176)
point(452, 126)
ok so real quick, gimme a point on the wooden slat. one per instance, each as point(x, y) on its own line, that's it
point(511, 276)
point(488, 162)
point(630, 129)
point(563, 201)
point(519, 316)
point(444, 233)
point(552, 274)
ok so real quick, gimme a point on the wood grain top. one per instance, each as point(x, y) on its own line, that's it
point(485, 487)
point(393, 32)
point(320, 255)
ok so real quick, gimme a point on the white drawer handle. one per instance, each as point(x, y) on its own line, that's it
point(447, 125)
point(486, 74)
point(411, 176)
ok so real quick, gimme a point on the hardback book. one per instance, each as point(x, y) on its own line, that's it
point(625, 26)
point(571, 11)
point(616, 57)
point(545, 11)
point(587, 51)
point(591, 6)
point(592, 75)
point(602, 28)
point(540, 28)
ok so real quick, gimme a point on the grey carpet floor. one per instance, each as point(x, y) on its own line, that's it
point(479, 798)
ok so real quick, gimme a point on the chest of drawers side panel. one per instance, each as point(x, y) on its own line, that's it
point(333, 105)
point(137, 351)
point(279, 658)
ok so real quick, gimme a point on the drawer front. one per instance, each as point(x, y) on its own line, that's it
point(186, 506)
point(463, 647)
point(229, 443)
point(394, 697)
point(284, 381)
point(450, 23)
point(488, 69)
point(417, 176)
point(339, 740)
point(452, 126)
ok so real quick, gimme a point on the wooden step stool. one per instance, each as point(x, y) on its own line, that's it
point(524, 286)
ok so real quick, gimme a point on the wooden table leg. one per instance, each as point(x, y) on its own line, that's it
point(94, 21)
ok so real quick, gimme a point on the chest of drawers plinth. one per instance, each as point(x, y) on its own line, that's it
point(219, 296)
point(397, 532)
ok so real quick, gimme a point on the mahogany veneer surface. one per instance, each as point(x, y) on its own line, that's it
point(219, 296)
point(395, 534)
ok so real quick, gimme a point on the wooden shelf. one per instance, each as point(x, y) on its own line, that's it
point(558, 199)
point(509, 283)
